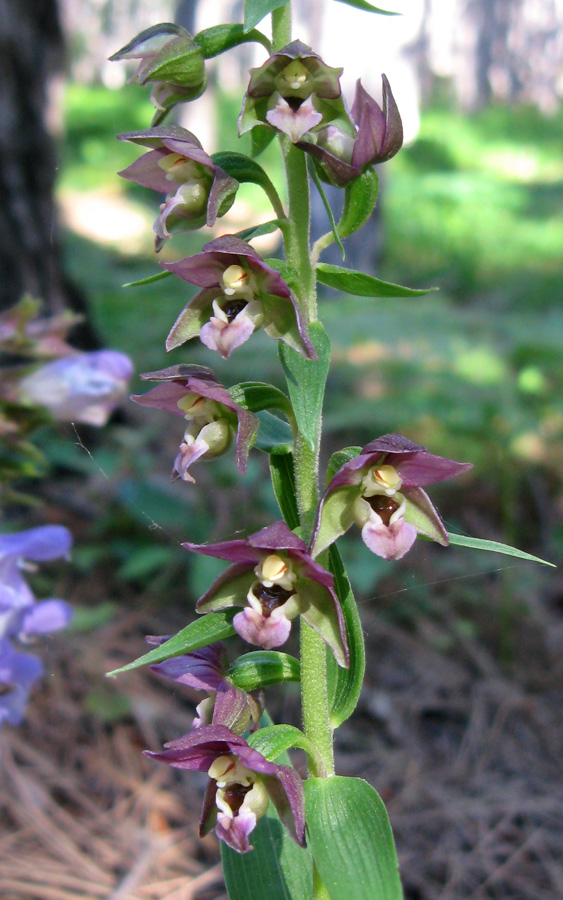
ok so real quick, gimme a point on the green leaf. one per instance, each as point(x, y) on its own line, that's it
point(283, 483)
point(351, 282)
point(261, 668)
point(260, 138)
point(360, 197)
point(277, 869)
point(273, 741)
point(274, 435)
point(367, 7)
point(460, 540)
point(204, 631)
point(306, 381)
point(247, 234)
point(345, 685)
point(339, 459)
point(149, 280)
point(245, 169)
point(220, 38)
point(257, 395)
point(351, 839)
point(256, 10)
point(318, 184)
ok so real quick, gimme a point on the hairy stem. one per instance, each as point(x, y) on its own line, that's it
point(314, 695)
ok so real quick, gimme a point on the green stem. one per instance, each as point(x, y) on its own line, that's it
point(281, 26)
point(299, 230)
point(314, 691)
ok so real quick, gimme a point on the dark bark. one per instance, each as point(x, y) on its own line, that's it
point(31, 53)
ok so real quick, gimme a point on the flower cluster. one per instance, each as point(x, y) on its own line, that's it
point(22, 618)
point(273, 577)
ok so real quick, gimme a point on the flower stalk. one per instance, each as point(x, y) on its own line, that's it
point(314, 691)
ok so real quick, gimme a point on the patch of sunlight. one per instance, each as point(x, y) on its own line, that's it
point(517, 165)
point(107, 218)
point(531, 380)
point(371, 389)
point(362, 353)
point(480, 365)
point(529, 446)
point(523, 164)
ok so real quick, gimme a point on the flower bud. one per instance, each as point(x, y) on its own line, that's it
point(171, 61)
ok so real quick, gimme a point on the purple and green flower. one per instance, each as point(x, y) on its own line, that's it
point(274, 579)
point(241, 293)
point(380, 490)
point(194, 393)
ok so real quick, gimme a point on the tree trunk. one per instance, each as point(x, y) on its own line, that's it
point(31, 52)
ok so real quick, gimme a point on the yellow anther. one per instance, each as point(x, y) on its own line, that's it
point(274, 568)
point(192, 404)
point(388, 477)
point(179, 168)
point(234, 278)
point(222, 767)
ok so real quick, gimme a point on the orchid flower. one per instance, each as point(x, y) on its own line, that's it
point(206, 670)
point(381, 491)
point(294, 92)
point(171, 61)
point(241, 293)
point(274, 580)
point(197, 191)
point(376, 137)
point(213, 416)
point(242, 783)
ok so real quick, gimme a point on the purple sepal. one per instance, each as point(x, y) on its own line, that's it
point(205, 269)
point(380, 131)
point(324, 80)
point(379, 136)
point(199, 749)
